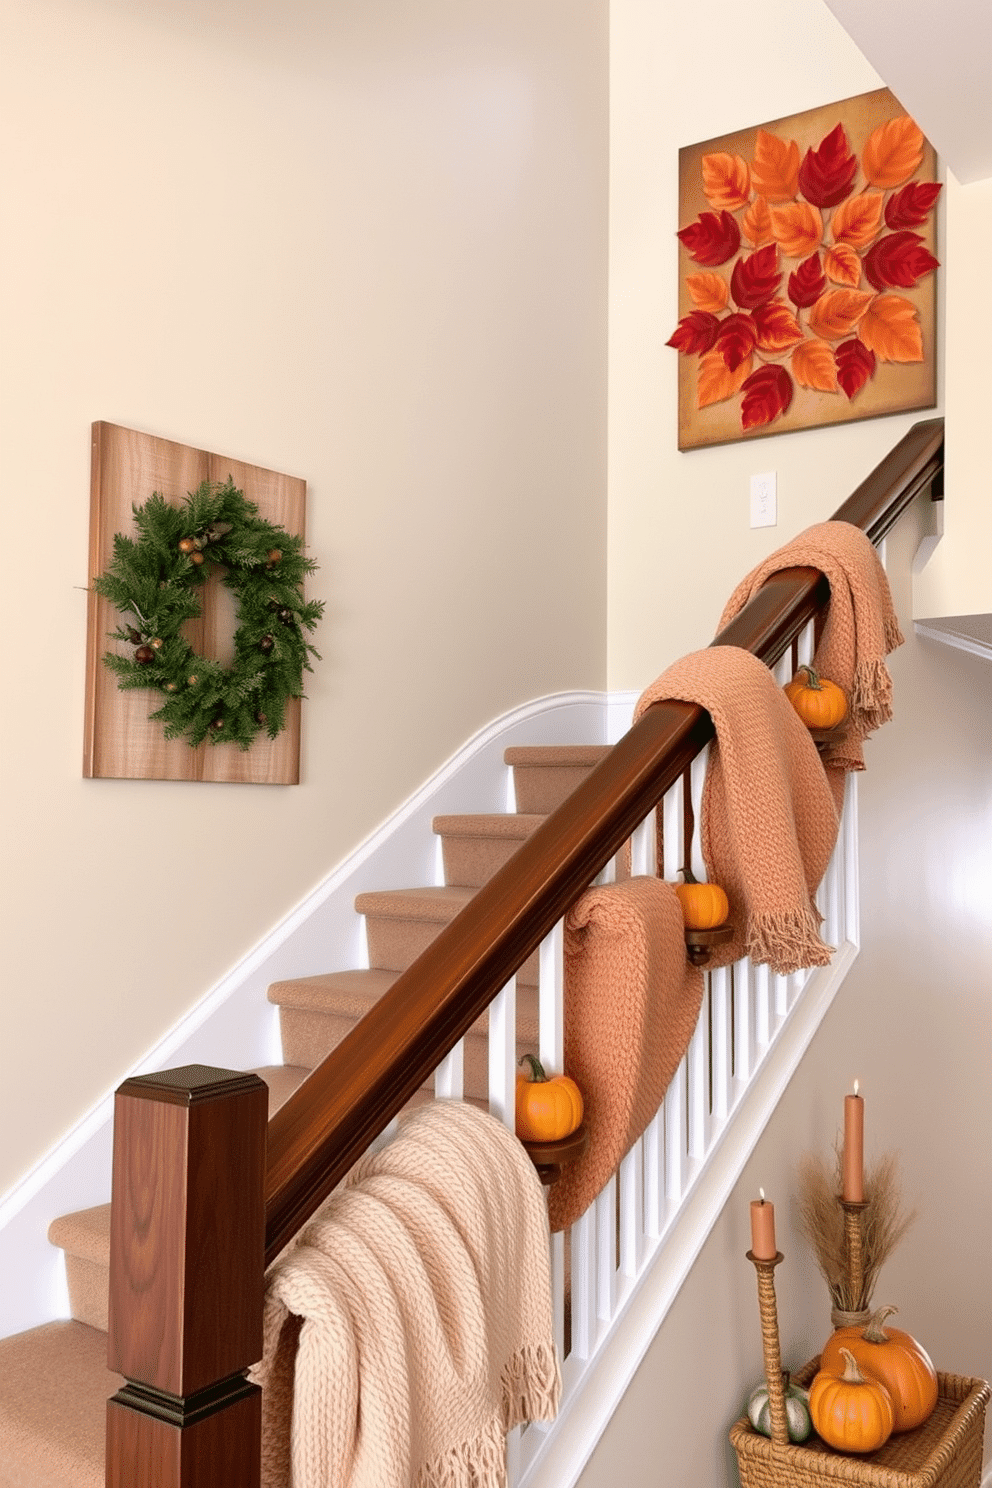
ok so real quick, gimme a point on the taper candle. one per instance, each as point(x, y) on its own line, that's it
point(854, 1147)
point(763, 1246)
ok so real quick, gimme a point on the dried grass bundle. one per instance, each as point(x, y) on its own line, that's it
point(821, 1221)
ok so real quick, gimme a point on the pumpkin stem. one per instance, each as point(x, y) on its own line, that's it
point(852, 1374)
point(687, 875)
point(812, 678)
point(537, 1075)
point(874, 1332)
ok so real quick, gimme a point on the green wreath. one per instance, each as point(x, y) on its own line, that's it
point(154, 580)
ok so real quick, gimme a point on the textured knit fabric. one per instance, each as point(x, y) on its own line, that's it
point(410, 1327)
point(860, 630)
point(631, 1003)
point(769, 818)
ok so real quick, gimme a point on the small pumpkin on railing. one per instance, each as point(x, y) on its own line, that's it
point(820, 703)
point(547, 1107)
point(896, 1359)
point(704, 905)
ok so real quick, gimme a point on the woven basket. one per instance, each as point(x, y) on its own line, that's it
point(945, 1452)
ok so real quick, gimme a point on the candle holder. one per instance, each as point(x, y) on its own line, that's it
point(858, 1292)
point(768, 1311)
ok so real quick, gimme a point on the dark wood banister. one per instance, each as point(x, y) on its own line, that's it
point(350, 1098)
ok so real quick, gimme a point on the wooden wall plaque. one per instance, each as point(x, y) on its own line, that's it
point(120, 741)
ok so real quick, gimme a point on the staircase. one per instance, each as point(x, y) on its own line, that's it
point(54, 1381)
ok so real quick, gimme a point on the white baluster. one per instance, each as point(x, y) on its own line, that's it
point(653, 1143)
point(584, 1326)
point(697, 778)
point(449, 1077)
point(849, 837)
point(762, 1006)
point(503, 1053)
point(558, 1290)
point(551, 1000)
point(720, 1021)
point(631, 1211)
point(780, 996)
point(675, 1140)
point(806, 645)
point(606, 1249)
point(698, 1075)
point(643, 848)
point(744, 1060)
point(673, 829)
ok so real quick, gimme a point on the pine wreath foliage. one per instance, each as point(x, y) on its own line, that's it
point(152, 580)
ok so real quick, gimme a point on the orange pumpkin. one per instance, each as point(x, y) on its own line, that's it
point(704, 905)
point(546, 1108)
point(820, 703)
point(896, 1359)
point(850, 1411)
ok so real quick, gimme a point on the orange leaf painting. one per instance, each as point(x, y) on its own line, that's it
point(775, 167)
point(893, 152)
point(813, 366)
point(890, 328)
point(778, 328)
point(716, 382)
point(808, 260)
point(842, 265)
point(708, 291)
point(798, 229)
point(726, 181)
point(836, 313)
point(756, 223)
point(857, 220)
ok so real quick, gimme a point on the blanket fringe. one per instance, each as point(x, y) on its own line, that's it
point(786, 942)
point(470, 1464)
point(531, 1385)
point(871, 697)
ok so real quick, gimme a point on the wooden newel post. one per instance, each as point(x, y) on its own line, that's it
point(187, 1245)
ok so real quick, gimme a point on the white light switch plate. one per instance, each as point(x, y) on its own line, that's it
point(764, 500)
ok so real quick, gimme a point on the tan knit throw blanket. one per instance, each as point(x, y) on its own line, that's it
point(860, 630)
point(769, 820)
point(631, 1004)
point(410, 1327)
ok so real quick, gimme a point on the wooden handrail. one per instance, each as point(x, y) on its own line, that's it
point(349, 1099)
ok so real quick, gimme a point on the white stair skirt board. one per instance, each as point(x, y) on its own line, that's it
point(594, 1388)
point(235, 1026)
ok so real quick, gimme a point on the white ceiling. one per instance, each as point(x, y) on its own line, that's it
point(936, 56)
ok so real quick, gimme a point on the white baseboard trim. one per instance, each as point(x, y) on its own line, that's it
point(590, 1403)
point(972, 644)
point(235, 1026)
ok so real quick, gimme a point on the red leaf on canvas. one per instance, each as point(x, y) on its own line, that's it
point(775, 167)
point(837, 312)
point(893, 152)
point(857, 220)
point(827, 173)
point(715, 382)
point(736, 339)
point(767, 393)
point(890, 328)
point(911, 206)
point(899, 261)
point(756, 277)
point(695, 332)
point(756, 223)
point(843, 265)
point(855, 364)
point(726, 181)
point(807, 283)
point(813, 366)
point(711, 240)
point(777, 327)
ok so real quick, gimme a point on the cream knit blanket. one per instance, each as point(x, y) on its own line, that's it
point(860, 630)
point(631, 1004)
point(410, 1327)
point(769, 820)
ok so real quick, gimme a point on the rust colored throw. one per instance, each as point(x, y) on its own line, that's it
point(410, 1327)
point(631, 1003)
point(861, 629)
point(769, 819)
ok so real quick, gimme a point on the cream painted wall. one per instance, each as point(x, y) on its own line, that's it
point(363, 244)
point(679, 76)
point(958, 580)
point(912, 1022)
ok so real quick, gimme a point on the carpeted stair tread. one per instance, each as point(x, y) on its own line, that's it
point(54, 1388)
point(85, 1234)
point(350, 993)
point(546, 775)
point(473, 848)
point(437, 902)
point(401, 923)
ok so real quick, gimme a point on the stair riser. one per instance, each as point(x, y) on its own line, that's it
point(472, 861)
point(395, 944)
point(541, 789)
point(89, 1290)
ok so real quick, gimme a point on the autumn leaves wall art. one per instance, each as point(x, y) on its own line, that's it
point(806, 273)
